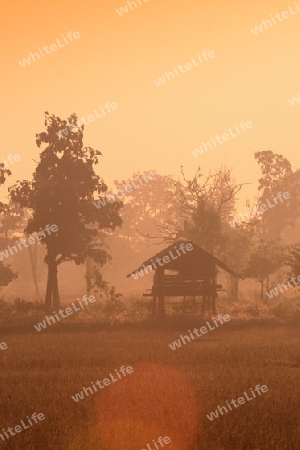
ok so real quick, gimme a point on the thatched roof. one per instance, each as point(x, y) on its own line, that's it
point(196, 260)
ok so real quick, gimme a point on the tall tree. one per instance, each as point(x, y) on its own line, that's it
point(62, 192)
point(208, 202)
point(150, 211)
point(150, 218)
point(274, 168)
point(277, 177)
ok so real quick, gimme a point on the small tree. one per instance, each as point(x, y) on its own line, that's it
point(293, 260)
point(266, 258)
point(6, 274)
point(62, 193)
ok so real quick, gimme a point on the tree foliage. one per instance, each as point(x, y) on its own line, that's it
point(274, 168)
point(266, 258)
point(61, 193)
point(206, 204)
point(277, 177)
point(6, 273)
point(150, 211)
point(293, 261)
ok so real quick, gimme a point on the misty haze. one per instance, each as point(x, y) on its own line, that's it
point(150, 226)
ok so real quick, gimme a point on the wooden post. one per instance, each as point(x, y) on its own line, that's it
point(161, 298)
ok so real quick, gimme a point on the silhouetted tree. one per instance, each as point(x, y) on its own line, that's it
point(235, 252)
point(150, 211)
point(206, 204)
point(274, 169)
point(150, 218)
point(62, 193)
point(277, 177)
point(12, 217)
point(293, 261)
point(6, 274)
point(265, 259)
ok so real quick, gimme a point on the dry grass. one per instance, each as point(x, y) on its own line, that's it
point(40, 372)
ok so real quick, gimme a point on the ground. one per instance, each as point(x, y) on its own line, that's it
point(42, 370)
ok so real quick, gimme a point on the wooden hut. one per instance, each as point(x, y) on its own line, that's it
point(183, 269)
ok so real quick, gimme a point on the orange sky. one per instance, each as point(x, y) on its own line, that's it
point(117, 58)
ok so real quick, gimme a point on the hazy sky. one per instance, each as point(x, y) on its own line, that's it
point(117, 58)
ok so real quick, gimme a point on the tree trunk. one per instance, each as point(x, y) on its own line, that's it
point(33, 258)
point(88, 273)
point(48, 299)
point(52, 300)
point(267, 289)
point(56, 299)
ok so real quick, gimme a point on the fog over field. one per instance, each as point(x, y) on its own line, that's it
point(149, 226)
